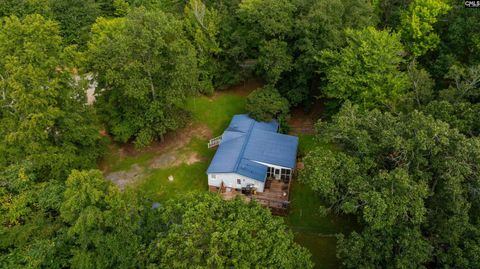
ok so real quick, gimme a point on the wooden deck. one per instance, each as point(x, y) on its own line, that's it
point(275, 196)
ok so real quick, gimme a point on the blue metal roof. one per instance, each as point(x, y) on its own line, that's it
point(252, 170)
point(272, 148)
point(246, 142)
point(227, 155)
point(242, 123)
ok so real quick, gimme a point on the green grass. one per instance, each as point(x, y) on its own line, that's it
point(312, 229)
point(217, 112)
point(187, 178)
point(306, 143)
point(116, 162)
point(321, 247)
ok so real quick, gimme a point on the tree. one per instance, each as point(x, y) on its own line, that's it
point(417, 25)
point(457, 40)
point(261, 33)
point(390, 12)
point(273, 60)
point(465, 84)
point(21, 8)
point(458, 105)
point(264, 20)
point(145, 68)
point(202, 28)
point(266, 103)
point(102, 223)
point(319, 25)
point(28, 222)
point(205, 231)
point(75, 18)
point(45, 119)
point(460, 115)
point(409, 179)
point(366, 71)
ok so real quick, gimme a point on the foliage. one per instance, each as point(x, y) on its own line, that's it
point(421, 87)
point(266, 103)
point(320, 25)
point(145, 68)
point(202, 27)
point(366, 71)
point(460, 115)
point(27, 224)
point(44, 116)
point(409, 179)
point(21, 8)
point(458, 105)
point(266, 19)
point(417, 25)
point(390, 12)
point(273, 60)
point(205, 231)
point(102, 223)
point(465, 84)
point(75, 19)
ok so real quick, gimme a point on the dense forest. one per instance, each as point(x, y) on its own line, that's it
point(399, 81)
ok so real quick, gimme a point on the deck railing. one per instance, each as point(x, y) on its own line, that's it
point(214, 142)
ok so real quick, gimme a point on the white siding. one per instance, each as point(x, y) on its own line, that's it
point(230, 181)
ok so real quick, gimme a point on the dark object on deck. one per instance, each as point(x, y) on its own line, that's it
point(249, 190)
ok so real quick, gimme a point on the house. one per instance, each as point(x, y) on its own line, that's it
point(249, 153)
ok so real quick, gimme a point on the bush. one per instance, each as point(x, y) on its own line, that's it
point(266, 103)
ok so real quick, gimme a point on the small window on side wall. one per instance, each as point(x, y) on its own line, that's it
point(214, 176)
point(239, 181)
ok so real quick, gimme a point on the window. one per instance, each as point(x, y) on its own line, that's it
point(270, 172)
point(214, 176)
point(239, 181)
point(285, 174)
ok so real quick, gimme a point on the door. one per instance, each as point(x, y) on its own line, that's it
point(277, 173)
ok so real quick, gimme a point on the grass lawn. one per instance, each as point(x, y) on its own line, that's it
point(216, 112)
point(187, 178)
point(312, 230)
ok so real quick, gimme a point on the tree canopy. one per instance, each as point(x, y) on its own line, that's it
point(409, 179)
point(205, 231)
point(266, 103)
point(44, 116)
point(401, 155)
point(145, 68)
point(366, 71)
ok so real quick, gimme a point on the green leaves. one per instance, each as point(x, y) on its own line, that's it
point(146, 68)
point(407, 178)
point(205, 231)
point(367, 71)
point(266, 103)
point(101, 222)
point(417, 25)
point(274, 59)
point(45, 119)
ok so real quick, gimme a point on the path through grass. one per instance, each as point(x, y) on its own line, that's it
point(312, 230)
